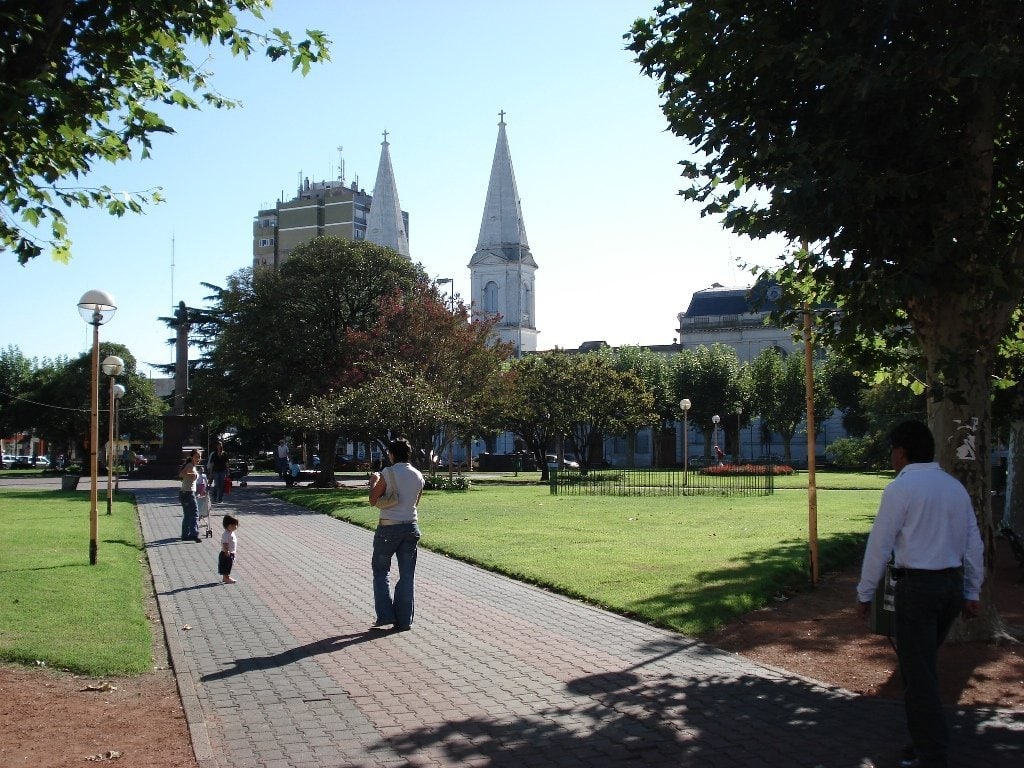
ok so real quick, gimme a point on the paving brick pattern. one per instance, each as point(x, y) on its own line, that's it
point(281, 670)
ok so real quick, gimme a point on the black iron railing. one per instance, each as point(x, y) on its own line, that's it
point(722, 480)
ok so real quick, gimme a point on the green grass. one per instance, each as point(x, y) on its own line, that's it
point(690, 564)
point(54, 606)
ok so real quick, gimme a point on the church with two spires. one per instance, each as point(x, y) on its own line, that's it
point(502, 268)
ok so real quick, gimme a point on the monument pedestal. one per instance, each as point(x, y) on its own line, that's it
point(179, 431)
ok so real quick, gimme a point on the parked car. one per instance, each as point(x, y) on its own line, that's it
point(22, 462)
point(567, 463)
point(344, 461)
point(7, 461)
point(42, 462)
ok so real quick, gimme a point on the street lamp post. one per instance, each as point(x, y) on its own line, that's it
point(112, 367)
point(684, 405)
point(118, 394)
point(739, 440)
point(714, 420)
point(96, 308)
point(451, 283)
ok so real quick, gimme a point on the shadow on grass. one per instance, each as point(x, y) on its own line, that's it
point(745, 584)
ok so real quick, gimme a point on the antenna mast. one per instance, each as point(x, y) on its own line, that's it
point(341, 165)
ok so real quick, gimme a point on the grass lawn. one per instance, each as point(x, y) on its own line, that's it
point(55, 607)
point(691, 564)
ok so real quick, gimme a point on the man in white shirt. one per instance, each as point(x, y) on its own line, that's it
point(927, 524)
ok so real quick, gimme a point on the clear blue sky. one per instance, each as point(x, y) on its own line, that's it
point(619, 252)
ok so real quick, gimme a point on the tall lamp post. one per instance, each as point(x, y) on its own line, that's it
point(112, 367)
point(714, 420)
point(451, 283)
point(739, 440)
point(684, 405)
point(96, 308)
point(118, 394)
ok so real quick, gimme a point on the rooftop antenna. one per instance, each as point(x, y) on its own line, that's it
point(341, 165)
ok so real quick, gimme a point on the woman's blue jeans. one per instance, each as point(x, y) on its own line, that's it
point(217, 487)
point(190, 515)
point(397, 541)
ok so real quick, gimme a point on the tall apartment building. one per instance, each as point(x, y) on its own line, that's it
point(332, 208)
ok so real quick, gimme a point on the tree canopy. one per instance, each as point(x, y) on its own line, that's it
point(85, 81)
point(886, 145)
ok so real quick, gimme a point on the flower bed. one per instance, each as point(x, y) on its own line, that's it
point(748, 469)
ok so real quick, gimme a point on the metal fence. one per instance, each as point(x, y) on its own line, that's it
point(725, 480)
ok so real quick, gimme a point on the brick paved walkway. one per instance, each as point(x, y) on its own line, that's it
point(281, 669)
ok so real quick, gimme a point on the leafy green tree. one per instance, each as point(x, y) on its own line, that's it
point(292, 336)
point(709, 377)
point(653, 370)
point(88, 81)
point(427, 374)
point(15, 370)
point(578, 397)
point(56, 402)
point(778, 392)
point(537, 406)
point(889, 141)
point(603, 401)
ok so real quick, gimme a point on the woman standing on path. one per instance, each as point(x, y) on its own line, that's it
point(397, 535)
point(189, 476)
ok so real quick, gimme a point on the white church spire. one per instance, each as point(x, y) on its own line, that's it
point(385, 225)
point(502, 270)
point(502, 224)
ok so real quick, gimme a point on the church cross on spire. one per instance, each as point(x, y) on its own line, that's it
point(501, 115)
point(385, 137)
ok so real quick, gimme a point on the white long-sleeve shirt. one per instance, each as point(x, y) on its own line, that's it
point(926, 519)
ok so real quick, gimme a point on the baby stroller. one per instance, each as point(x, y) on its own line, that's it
point(203, 503)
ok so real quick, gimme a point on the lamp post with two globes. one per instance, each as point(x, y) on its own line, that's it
point(112, 367)
point(96, 308)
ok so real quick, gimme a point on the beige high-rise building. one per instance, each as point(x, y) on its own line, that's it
point(332, 208)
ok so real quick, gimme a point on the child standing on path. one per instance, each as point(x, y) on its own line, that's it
point(228, 545)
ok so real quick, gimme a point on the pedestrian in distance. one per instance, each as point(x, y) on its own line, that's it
point(927, 526)
point(218, 464)
point(228, 548)
point(396, 492)
point(283, 465)
point(189, 477)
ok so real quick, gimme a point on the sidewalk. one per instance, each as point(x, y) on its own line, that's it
point(281, 669)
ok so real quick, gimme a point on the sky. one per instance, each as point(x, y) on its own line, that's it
point(619, 251)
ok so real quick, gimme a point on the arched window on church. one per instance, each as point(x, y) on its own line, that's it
point(491, 298)
point(527, 305)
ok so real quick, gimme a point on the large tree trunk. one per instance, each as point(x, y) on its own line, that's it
point(960, 420)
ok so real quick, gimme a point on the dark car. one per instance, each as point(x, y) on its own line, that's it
point(345, 462)
point(22, 462)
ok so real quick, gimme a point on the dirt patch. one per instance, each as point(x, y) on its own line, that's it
point(819, 635)
point(50, 719)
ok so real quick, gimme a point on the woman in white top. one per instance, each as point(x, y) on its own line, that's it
point(396, 536)
point(189, 476)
